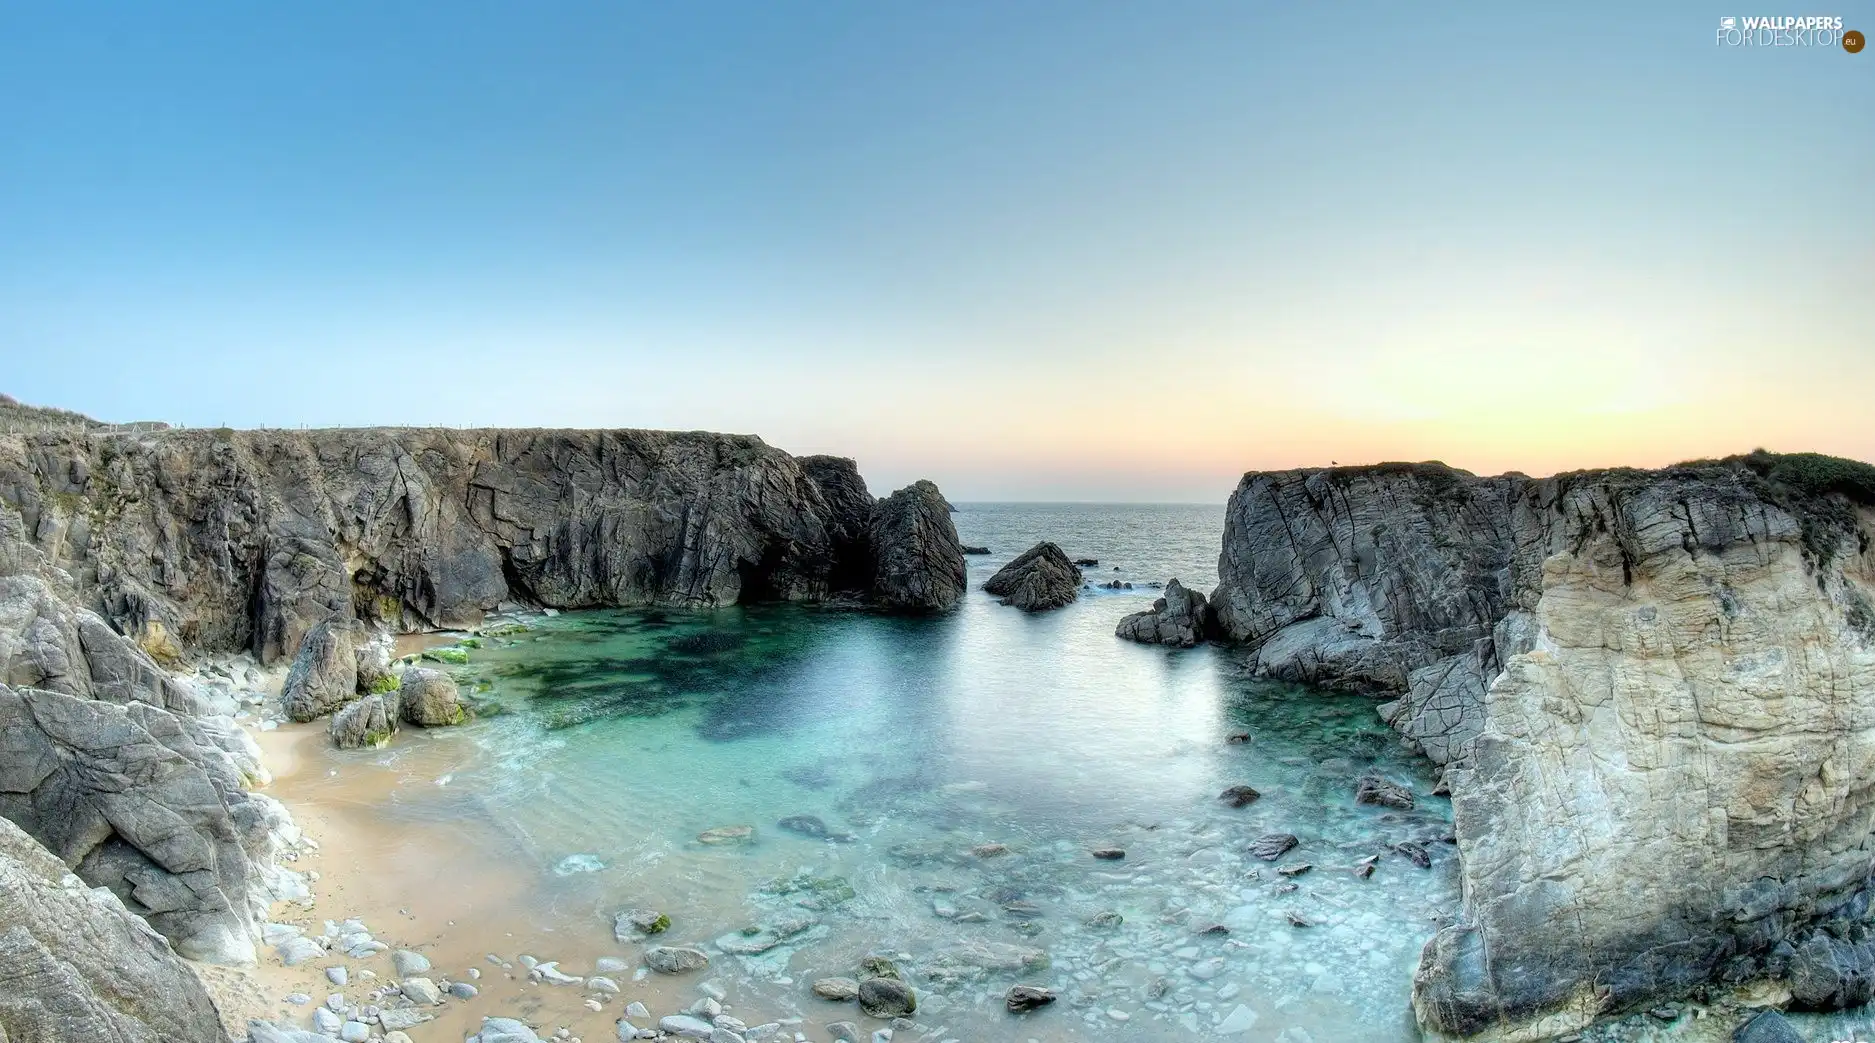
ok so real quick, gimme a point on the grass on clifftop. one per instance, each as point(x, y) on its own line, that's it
point(1818, 489)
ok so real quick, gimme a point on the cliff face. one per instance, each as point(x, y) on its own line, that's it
point(1652, 690)
point(246, 539)
point(123, 553)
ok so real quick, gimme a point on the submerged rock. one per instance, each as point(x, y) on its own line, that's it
point(1238, 796)
point(725, 835)
point(1272, 846)
point(1767, 1027)
point(1020, 999)
point(1180, 618)
point(1039, 579)
point(812, 826)
point(1373, 789)
point(887, 998)
point(976, 550)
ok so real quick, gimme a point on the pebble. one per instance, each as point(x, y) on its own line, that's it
point(686, 1026)
point(610, 965)
point(299, 999)
point(325, 1021)
point(462, 990)
point(408, 964)
point(637, 1010)
point(337, 976)
point(355, 1032)
point(606, 985)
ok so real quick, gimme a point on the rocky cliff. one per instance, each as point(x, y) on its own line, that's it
point(126, 552)
point(1652, 691)
point(247, 539)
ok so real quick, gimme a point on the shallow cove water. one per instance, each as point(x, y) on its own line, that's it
point(917, 742)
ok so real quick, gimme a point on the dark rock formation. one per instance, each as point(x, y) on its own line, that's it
point(367, 722)
point(249, 539)
point(76, 965)
point(1020, 999)
point(918, 563)
point(1640, 682)
point(1181, 618)
point(1768, 1027)
point(1039, 579)
point(146, 803)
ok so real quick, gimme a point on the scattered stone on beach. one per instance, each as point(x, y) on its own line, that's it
point(1239, 796)
point(1039, 579)
point(672, 959)
point(812, 826)
point(843, 1030)
point(1109, 854)
point(338, 976)
point(1272, 846)
point(1294, 869)
point(421, 991)
point(839, 990)
point(504, 1030)
point(1365, 867)
point(1020, 999)
point(879, 967)
point(1384, 792)
point(295, 951)
point(686, 1026)
point(408, 963)
point(725, 835)
point(887, 998)
point(429, 698)
point(636, 924)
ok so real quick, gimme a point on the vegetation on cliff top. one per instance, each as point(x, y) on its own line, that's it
point(1822, 491)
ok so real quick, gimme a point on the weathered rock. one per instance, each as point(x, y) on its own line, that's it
point(918, 563)
point(76, 965)
point(371, 651)
point(46, 643)
point(1110, 854)
point(671, 959)
point(887, 998)
point(324, 675)
point(221, 540)
point(634, 924)
point(721, 836)
point(367, 722)
point(976, 550)
point(1375, 789)
point(146, 803)
point(428, 698)
point(1020, 999)
point(1272, 846)
point(1640, 682)
point(837, 989)
point(1182, 618)
point(1039, 579)
point(1239, 796)
point(504, 1030)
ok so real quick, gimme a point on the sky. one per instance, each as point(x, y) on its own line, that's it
point(1030, 250)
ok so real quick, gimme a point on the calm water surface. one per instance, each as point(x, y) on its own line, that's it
point(626, 734)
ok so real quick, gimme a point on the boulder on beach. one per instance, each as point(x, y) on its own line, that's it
point(887, 998)
point(674, 959)
point(1181, 618)
point(429, 698)
point(368, 722)
point(324, 675)
point(1039, 579)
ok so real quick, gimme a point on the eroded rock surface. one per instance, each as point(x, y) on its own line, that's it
point(1038, 579)
point(225, 540)
point(1646, 686)
point(76, 965)
point(918, 561)
point(1181, 618)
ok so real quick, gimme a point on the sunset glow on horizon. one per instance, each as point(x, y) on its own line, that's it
point(1052, 252)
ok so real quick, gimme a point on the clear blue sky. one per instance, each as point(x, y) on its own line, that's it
point(1032, 250)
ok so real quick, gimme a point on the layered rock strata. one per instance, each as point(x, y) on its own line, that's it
point(1181, 618)
point(1650, 689)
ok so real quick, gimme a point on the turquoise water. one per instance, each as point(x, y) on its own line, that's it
point(625, 734)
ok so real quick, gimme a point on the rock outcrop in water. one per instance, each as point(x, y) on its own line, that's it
point(1038, 579)
point(249, 539)
point(76, 965)
point(1181, 618)
point(918, 562)
point(1647, 689)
